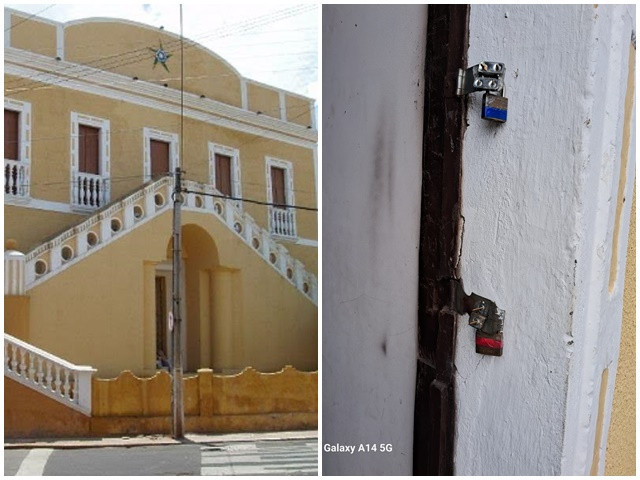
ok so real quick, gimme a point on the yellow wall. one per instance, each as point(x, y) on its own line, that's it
point(298, 110)
point(101, 310)
point(264, 100)
point(16, 316)
point(621, 442)
point(50, 163)
point(30, 226)
point(250, 401)
point(33, 35)
point(124, 48)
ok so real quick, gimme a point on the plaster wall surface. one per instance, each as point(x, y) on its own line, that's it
point(372, 149)
point(96, 311)
point(539, 201)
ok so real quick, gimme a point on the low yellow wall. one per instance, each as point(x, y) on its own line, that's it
point(249, 401)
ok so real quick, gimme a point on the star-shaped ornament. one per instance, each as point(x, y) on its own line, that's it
point(160, 56)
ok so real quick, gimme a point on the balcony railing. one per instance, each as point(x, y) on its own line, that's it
point(16, 178)
point(282, 222)
point(39, 370)
point(90, 190)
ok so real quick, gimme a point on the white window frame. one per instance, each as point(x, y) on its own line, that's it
point(174, 149)
point(24, 142)
point(104, 127)
point(236, 181)
point(287, 166)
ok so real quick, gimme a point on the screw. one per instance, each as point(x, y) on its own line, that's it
point(477, 83)
point(492, 84)
point(497, 67)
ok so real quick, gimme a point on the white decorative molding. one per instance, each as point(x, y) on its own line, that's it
point(14, 279)
point(283, 106)
point(234, 154)
point(39, 204)
point(96, 232)
point(7, 28)
point(90, 191)
point(307, 242)
point(244, 94)
point(282, 221)
point(60, 41)
point(111, 85)
point(174, 149)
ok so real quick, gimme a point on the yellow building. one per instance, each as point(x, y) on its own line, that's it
point(93, 135)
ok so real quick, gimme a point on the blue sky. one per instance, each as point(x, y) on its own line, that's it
point(271, 42)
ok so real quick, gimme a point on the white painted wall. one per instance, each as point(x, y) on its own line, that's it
point(373, 69)
point(539, 199)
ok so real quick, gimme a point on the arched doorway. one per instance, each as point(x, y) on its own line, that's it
point(199, 266)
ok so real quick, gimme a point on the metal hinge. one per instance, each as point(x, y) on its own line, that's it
point(486, 77)
point(484, 316)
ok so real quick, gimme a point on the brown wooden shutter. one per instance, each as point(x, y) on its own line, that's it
point(11, 126)
point(159, 158)
point(277, 186)
point(223, 174)
point(89, 145)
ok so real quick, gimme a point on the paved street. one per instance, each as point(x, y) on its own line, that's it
point(288, 456)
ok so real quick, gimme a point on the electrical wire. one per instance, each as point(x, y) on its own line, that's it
point(138, 53)
point(248, 200)
point(29, 17)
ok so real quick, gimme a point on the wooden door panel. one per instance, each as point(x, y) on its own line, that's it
point(159, 158)
point(11, 139)
point(223, 174)
point(277, 186)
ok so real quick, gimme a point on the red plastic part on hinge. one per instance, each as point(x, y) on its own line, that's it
point(489, 345)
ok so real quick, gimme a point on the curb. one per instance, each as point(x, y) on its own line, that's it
point(156, 440)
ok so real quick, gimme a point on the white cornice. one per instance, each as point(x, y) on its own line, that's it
point(42, 69)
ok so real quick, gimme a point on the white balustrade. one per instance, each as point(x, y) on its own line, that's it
point(39, 370)
point(90, 190)
point(16, 178)
point(239, 222)
point(283, 221)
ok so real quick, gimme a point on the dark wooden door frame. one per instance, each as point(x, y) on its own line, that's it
point(444, 126)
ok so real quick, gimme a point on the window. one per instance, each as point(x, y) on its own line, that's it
point(223, 174)
point(11, 134)
point(89, 149)
point(160, 153)
point(277, 187)
point(282, 217)
point(90, 177)
point(224, 171)
point(17, 148)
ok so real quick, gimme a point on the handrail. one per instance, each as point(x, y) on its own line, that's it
point(48, 374)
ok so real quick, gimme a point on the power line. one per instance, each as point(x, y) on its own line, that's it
point(29, 17)
point(248, 200)
point(138, 53)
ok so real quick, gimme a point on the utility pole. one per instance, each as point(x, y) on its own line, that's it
point(177, 399)
point(176, 337)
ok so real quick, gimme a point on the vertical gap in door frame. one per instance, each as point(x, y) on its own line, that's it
point(444, 126)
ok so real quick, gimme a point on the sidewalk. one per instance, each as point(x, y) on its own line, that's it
point(155, 440)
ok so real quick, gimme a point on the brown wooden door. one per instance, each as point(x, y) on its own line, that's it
point(161, 316)
point(277, 186)
point(223, 174)
point(89, 149)
point(159, 158)
point(11, 145)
